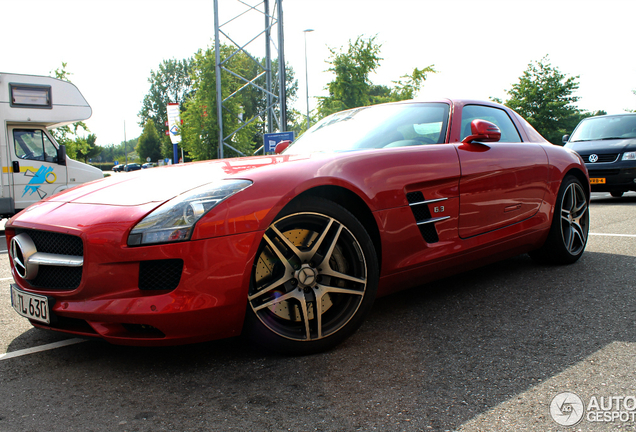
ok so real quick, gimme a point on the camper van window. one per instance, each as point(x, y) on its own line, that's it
point(30, 96)
point(34, 144)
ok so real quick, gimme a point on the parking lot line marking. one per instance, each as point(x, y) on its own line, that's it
point(612, 235)
point(4, 279)
point(41, 348)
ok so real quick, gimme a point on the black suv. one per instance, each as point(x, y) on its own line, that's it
point(607, 145)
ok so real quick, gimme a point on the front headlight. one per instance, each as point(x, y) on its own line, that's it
point(629, 156)
point(175, 220)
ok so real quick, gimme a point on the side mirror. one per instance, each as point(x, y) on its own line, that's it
point(281, 146)
point(483, 131)
point(61, 155)
point(565, 139)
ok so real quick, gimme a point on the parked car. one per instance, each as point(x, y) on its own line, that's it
point(607, 145)
point(118, 168)
point(148, 165)
point(132, 167)
point(293, 249)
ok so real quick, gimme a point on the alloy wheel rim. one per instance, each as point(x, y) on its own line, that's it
point(574, 219)
point(310, 277)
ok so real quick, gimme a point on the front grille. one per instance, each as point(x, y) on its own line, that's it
point(602, 158)
point(54, 277)
point(55, 243)
point(58, 278)
point(603, 173)
point(160, 274)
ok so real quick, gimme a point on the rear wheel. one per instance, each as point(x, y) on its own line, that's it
point(570, 225)
point(314, 279)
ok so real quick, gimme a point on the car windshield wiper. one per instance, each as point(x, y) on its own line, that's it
point(610, 138)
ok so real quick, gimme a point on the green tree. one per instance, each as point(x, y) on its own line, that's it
point(149, 143)
point(200, 126)
point(408, 85)
point(114, 152)
point(198, 93)
point(352, 87)
point(84, 148)
point(170, 83)
point(544, 97)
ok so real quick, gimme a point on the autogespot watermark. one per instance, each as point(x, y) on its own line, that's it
point(568, 409)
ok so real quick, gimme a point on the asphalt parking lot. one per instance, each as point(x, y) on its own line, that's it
point(486, 350)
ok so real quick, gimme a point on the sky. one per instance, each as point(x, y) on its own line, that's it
point(480, 48)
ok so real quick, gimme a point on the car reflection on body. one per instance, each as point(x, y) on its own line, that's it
point(293, 249)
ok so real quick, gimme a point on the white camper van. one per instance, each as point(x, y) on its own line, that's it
point(33, 165)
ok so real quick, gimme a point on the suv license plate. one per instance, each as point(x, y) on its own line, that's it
point(597, 181)
point(32, 306)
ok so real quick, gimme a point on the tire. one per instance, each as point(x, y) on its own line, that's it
point(314, 279)
point(617, 194)
point(570, 225)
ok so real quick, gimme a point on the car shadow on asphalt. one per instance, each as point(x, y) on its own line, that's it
point(439, 354)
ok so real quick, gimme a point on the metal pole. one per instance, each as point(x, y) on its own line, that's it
point(219, 98)
point(281, 69)
point(268, 70)
point(307, 73)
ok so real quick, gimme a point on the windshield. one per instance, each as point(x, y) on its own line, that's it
point(380, 126)
point(605, 127)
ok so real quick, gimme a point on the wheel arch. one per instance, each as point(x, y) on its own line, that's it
point(352, 203)
point(580, 175)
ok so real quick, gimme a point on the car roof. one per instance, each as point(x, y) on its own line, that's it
point(610, 115)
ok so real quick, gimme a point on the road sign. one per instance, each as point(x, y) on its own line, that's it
point(271, 139)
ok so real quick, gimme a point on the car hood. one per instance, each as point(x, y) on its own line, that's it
point(603, 146)
point(160, 184)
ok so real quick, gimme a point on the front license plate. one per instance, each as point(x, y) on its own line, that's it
point(597, 181)
point(31, 306)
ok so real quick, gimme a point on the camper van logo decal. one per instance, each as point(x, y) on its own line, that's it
point(39, 177)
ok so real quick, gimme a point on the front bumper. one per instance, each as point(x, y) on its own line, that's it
point(208, 302)
point(618, 176)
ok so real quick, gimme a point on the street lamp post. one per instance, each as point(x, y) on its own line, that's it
point(307, 73)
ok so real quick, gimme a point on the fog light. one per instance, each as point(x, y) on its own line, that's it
point(635, 180)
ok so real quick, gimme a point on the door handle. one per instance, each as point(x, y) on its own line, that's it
point(16, 166)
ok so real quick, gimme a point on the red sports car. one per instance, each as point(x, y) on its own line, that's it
point(293, 249)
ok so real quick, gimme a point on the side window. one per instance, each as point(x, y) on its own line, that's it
point(33, 144)
point(497, 116)
point(50, 151)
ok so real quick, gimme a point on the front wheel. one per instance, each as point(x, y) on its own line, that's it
point(617, 194)
point(570, 225)
point(314, 279)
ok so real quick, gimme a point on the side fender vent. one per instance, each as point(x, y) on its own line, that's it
point(425, 222)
